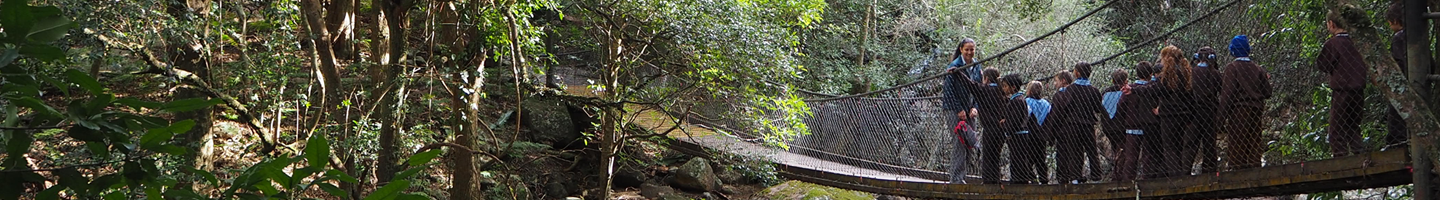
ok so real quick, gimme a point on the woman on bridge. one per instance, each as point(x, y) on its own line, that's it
point(958, 100)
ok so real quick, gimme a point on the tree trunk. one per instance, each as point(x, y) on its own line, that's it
point(341, 15)
point(185, 55)
point(462, 184)
point(189, 59)
point(1405, 98)
point(328, 73)
point(391, 28)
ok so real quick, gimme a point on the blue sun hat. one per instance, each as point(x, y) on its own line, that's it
point(1240, 46)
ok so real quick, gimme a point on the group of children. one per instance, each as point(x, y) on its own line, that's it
point(1148, 121)
point(1160, 123)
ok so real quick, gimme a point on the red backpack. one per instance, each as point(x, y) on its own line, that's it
point(964, 134)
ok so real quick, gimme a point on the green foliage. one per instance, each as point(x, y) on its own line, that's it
point(121, 135)
point(1305, 138)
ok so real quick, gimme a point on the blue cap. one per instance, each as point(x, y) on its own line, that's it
point(1240, 46)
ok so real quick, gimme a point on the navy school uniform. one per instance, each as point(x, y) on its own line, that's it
point(1027, 145)
point(990, 101)
point(1075, 108)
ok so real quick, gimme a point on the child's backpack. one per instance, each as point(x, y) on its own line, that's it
point(966, 135)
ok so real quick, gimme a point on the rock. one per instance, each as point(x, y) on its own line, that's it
point(810, 191)
point(696, 174)
point(548, 120)
point(627, 177)
point(555, 189)
point(731, 176)
point(891, 197)
point(674, 197)
point(653, 191)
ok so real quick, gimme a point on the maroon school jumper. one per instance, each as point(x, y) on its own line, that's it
point(1346, 67)
point(1207, 99)
point(1136, 112)
point(1242, 100)
point(1088, 108)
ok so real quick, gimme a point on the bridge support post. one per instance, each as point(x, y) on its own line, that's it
point(1417, 38)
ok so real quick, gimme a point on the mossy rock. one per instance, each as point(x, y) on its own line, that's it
point(811, 191)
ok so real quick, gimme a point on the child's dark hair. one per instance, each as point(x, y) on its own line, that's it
point(961, 46)
point(1064, 77)
point(1013, 80)
point(1143, 70)
point(992, 74)
point(1207, 55)
point(1395, 13)
point(1119, 77)
point(1082, 70)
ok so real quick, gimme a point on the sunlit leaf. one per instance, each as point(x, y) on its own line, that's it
point(317, 151)
point(189, 104)
point(153, 138)
point(423, 157)
point(390, 191)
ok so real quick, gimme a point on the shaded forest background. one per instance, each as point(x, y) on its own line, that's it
point(512, 99)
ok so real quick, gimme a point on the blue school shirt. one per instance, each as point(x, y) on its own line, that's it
point(1038, 108)
point(1111, 101)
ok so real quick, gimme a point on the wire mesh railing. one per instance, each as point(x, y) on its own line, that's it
point(1162, 119)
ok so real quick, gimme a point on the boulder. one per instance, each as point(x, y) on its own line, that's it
point(696, 174)
point(654, 191)
point(549, 122)
point(732, 176)
point(810, 191)
point(556, 189)
point(629, 177)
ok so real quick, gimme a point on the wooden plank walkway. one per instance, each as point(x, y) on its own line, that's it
point(1370, 170)
point(787, 159)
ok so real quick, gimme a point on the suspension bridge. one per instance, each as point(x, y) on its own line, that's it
point(892, 141)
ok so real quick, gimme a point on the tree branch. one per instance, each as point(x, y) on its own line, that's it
point(245, 114)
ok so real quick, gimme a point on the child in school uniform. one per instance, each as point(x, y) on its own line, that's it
point(1340, 58)
point(1086, 108)
point(990, 100)
point(1206, 79)
point(1068, 155)
point(1244, 89)
point(1137, 113)
point(1030, 139)
point(1113, 128)
point(1011, 117)
point(1173, 88)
